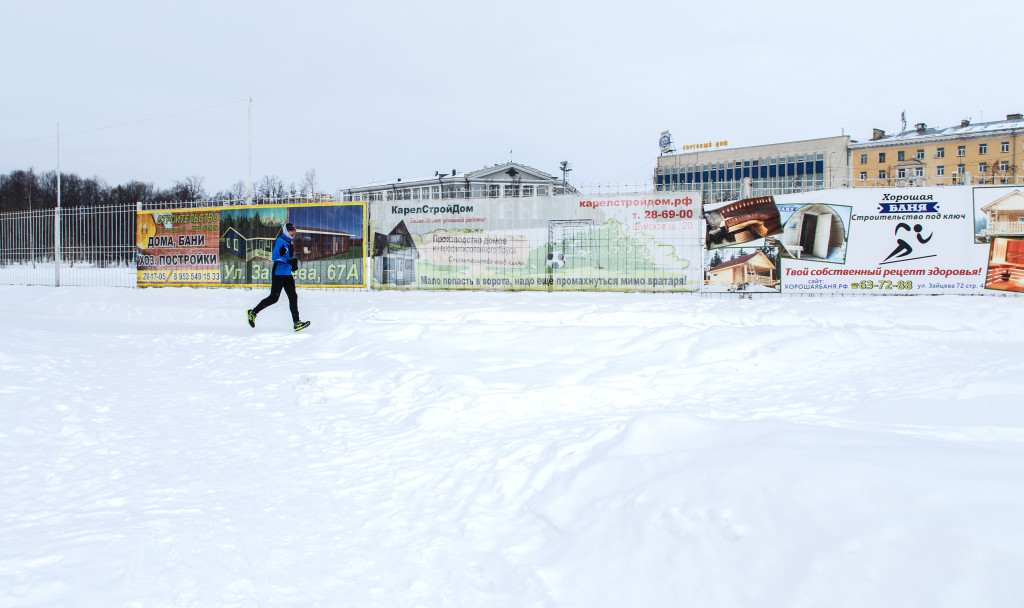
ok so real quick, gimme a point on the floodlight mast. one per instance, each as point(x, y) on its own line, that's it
point(56, 221)
point(566, 167)
point(248, 198)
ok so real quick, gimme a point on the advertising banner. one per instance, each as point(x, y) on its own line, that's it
point(868, 241)
point(231, 246)
point(641, 242)
point(178, 247)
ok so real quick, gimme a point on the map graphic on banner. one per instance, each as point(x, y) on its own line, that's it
point(871, 241)
point(231, 246)
point(605, 243)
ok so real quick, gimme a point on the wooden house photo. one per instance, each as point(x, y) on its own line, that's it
point(751, 269)
point(1004, 216)
point(245, 249)
point(317, 243)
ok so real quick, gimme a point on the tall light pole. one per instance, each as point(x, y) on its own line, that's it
point(31, 224)
point(56, 221)
point(248, 198)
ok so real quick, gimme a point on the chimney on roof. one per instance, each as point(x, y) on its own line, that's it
point(1014, 116)
point(920, 127)
point(877, 134)
point(965, 122)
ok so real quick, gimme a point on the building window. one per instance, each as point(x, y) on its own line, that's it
point(919, 155)
point(1004, 165)
point(901, 156)
point(1005, 146)
point(961, 150)
point(918, 171)
point(863, 176)
point(881, 174)
point(961, 169)
point(863, 159)
point(982, 167)
point(982, 148)
point(940, 153)
point(901, 173)
point(940, 170)
point(881, 157)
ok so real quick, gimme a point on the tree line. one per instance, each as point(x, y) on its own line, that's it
point(28, 190)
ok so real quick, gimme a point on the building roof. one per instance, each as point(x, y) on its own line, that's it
point(1013, 201)
point(964, 130)
point(716, 154)
point(743, 259)
point(307, 230)
point(493, 172)
point(502, 170)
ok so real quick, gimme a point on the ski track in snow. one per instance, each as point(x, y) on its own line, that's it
point(531, 449)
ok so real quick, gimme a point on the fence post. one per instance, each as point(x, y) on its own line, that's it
point(56, 244)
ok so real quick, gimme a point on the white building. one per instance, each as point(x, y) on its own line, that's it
point(797, 166)
point(510, 180)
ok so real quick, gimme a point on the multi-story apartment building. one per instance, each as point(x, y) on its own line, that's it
point(725, 174)
point(980, 153)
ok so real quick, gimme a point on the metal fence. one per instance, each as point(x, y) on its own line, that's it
point(97, 244)
point(96, 247)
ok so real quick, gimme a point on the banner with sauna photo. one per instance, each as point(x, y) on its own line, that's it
point(739, 257)
point(999, 226)
point(871, 241)
point(636, 242)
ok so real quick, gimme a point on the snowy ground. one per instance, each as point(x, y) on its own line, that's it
point(509, 450)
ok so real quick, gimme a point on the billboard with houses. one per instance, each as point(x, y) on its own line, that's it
point(869, 241)
point(231, 246)
point(863, 241)
point(634, 242)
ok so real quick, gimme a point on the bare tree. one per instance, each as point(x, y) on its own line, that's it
point(309, 184)
point(238, 191)
point(16, 190)
point(133, 192)
point(190, 189)
point(271, 186)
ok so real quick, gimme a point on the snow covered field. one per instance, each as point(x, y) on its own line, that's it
point(509, 450)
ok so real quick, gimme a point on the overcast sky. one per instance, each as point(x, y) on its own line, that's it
point(378, 90)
